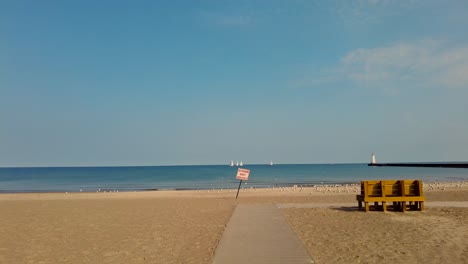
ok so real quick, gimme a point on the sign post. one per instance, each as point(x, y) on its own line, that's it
point(242, 174)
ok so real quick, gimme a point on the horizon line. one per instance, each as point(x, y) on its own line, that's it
point(180, 165)
point(223, 164)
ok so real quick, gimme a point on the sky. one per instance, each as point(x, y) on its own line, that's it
point(104, 83)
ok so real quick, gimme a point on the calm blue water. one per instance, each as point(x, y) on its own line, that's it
point(91, 179)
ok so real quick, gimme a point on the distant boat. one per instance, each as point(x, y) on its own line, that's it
point(237, 163)
point(271, 163)
point(241, 164)
point(232, 163)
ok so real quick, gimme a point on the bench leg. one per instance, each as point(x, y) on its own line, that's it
point(421, 206)
point(384, 206)
point(366, 206)
point(360, 205)
point(403, 206)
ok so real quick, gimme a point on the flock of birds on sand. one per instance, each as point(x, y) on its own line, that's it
point(328, 188)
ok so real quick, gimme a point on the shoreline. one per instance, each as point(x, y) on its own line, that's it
point(427, 185)
point(276, 192)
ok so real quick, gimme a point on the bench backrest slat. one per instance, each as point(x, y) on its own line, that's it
point(391, 188)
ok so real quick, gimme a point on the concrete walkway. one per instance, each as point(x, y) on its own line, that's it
point(259, 234)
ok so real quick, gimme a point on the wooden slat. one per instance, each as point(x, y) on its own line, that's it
point(384, 203)
point(420, 188)
point(366, 192)
point(395, 199)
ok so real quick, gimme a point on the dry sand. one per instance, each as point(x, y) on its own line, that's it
point(161, 230)
point(185, 226)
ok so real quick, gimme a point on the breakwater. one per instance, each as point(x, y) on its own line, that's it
point(425, 165)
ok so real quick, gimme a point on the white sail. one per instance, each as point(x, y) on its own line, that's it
point(241, 164)
point(271, 163)
point(237, 163)
point(232, 163)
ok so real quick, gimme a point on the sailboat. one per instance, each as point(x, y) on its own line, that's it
point(241, 164)
point(232, 163)
point(237, 163)
point(271, 163)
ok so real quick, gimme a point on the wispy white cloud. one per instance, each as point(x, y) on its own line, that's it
point(404, 64)
point(426, 62)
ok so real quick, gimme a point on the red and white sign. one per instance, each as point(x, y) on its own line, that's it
point(242, 174)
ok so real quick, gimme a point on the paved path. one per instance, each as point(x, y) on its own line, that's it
point(259, 234)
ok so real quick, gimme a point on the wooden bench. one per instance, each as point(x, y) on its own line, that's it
point(397, 192)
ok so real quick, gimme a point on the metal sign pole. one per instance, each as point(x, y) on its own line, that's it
point(238, 189)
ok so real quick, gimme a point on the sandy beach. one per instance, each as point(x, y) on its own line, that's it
point(186, 226)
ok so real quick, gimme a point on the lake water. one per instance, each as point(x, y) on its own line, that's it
point(92, 179)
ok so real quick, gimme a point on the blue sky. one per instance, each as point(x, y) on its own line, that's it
point(203, 82)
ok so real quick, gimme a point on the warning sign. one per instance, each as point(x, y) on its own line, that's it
point(242, 174)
